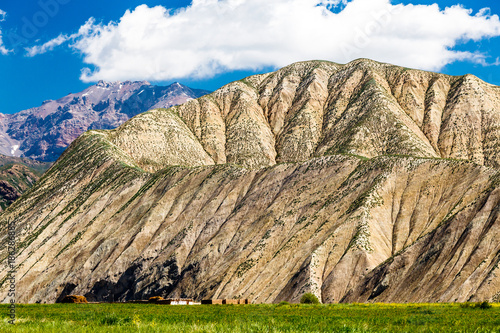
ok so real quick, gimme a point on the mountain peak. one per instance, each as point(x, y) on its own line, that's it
point(365, 108)
point(176, 85)
point(103, 84)
point(104, 105)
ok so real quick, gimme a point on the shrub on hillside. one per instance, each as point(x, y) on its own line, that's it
point(309, 298)
point(479, 305)
point(483, 305)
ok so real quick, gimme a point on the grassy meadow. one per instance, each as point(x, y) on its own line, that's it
point(251, 318)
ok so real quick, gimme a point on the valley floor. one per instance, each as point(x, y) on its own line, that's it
point(252, 318)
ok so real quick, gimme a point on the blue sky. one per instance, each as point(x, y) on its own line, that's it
point(50, 48)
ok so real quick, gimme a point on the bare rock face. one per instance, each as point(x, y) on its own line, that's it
point(365, 108)
point(358, 182)
point(44, 132)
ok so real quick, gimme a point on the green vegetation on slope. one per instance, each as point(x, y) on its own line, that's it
point(38, 166)
point(17, 175)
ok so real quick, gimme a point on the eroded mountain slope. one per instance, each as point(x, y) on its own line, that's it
point(315, 108)
point(106, 229)
point(365, 108)
point(248, 192)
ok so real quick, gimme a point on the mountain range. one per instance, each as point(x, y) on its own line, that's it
point(363, 182)
point(44, 132)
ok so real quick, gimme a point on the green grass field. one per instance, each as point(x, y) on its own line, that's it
point(251, 318)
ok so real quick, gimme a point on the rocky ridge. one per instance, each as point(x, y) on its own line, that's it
point(357, 182)
point(44, 132)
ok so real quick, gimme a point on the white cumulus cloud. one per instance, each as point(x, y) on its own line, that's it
point(212, 36)
point(3, 50)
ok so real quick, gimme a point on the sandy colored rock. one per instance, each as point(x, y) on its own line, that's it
point(319, 178)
